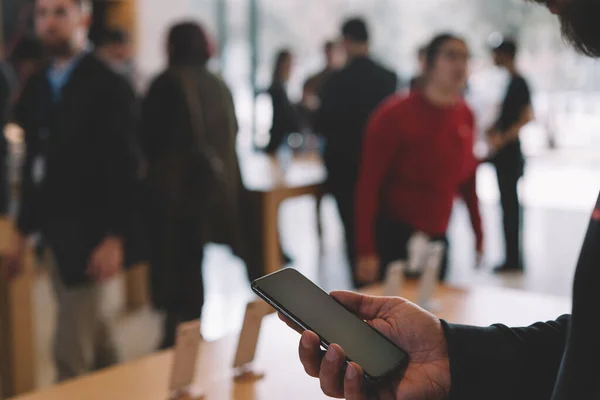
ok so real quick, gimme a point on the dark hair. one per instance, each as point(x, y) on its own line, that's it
point(189, 44)
point(422, 51)
point(329, 45)
point(507, 47)
point(28, 48)
point(435, 46)
point(110, 36)
point(282, 56)
point(356, 30)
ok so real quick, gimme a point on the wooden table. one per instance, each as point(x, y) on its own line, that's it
point(17, 350)
point(263, 176)
point(147, 379)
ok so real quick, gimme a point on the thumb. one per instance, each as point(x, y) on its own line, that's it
point(365, 307)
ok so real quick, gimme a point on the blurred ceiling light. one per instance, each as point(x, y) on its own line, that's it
point(495, 39)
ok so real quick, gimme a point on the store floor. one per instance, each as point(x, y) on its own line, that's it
point(558, 193)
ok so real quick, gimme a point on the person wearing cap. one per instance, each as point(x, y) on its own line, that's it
point(347, 101)
point(506, 154)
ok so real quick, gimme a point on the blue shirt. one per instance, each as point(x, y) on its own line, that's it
point(58, 77)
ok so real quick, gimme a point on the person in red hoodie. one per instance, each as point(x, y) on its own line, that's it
point(417, 156)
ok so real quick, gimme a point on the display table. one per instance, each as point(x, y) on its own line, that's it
point(274, 184)
point(277, 358)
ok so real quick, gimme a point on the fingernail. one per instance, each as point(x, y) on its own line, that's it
point(331, 355)
point(350, 372)
point(305, 342)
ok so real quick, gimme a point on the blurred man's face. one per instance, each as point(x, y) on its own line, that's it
point(579, 20)
point(451, 66)
point(499, 58)
point(120, 53)
point(57, 23)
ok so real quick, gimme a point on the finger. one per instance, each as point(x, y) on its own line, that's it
point(290, 323)
point(310, 353)
point(354, 383)
point(332, 372)
point(365, 307)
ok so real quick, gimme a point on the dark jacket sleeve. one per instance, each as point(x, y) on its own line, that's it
point(498, 362)
point(159, 117)
point(285, 118)
point(122, 170)
point(27, 213)
point(331, 108)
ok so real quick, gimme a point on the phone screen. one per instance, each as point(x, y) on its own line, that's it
point(311, 307)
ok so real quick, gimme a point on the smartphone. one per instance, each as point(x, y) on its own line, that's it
point(311, 308)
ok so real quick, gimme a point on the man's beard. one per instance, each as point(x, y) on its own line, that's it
point(580, 26)
point(58, 49)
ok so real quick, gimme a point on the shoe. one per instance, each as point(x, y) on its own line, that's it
point(509, 268)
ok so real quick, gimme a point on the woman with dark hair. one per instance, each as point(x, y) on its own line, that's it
point(285, 116)
point(188, 135)
point(417, 156)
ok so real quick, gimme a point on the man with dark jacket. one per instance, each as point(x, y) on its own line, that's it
point(78, 181)
point(557, 360)
point(347, 101)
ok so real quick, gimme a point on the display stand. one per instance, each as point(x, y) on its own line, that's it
point(430, 278)
point(246, 349)
point(394, 279)
point(185, 359)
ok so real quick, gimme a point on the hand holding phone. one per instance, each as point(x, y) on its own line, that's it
point(402, 324)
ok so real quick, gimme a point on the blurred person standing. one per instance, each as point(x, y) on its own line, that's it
point(417, 156)
point(316, 82)
point(113, 46)
point(506, 154)
point(77, 181)
point(188, 135)
point(285, 116)
point(347, 101)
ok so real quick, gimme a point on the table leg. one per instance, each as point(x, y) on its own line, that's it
point(17, 350)
point(271, 249)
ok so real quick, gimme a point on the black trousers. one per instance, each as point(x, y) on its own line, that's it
point(508, 179)
point(344, 194)
point(176, 270)
point(392, 244)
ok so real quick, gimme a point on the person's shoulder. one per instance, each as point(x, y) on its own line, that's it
point(466, 111)
point(104, 75)
point(164, 82)
point(381, 69)
point(394, 106)
point(520, 81)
